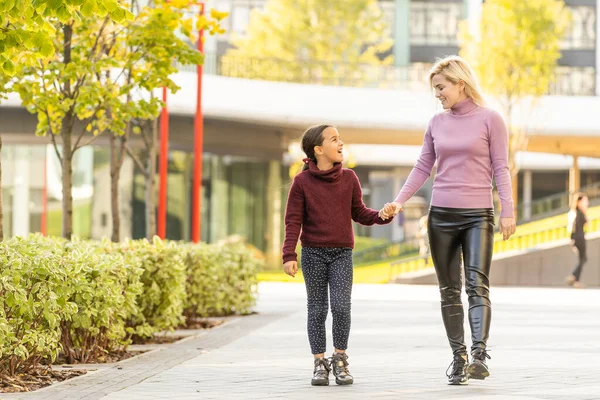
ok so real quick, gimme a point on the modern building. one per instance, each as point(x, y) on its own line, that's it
point(251, 127)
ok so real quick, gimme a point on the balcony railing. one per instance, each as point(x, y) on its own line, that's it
point(568, 82)
point(554, 204)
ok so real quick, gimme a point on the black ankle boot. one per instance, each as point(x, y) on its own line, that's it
point(478, 369)
point(339, 364)
point(458, 370)
point(321, 372)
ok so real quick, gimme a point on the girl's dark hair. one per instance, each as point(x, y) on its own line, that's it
point(312, 137)
point(577, 197)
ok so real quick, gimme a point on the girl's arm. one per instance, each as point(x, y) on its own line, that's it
point(294, 215)
point(422, 169)
point(360, 212)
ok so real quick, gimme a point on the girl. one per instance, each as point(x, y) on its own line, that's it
point(323, 200)
point(577, 221)
point(470, 144)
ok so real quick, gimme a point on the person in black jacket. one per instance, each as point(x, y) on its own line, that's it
point(577, 219)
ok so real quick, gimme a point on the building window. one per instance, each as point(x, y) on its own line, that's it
point(389, 15)
point(434, 23)
point(240, 14)
point(582, 32)
point(574, 81)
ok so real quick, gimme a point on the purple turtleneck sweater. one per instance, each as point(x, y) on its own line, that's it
point(322, 205)
point(470, 145)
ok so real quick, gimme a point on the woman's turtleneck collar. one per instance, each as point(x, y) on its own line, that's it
point(331, 175)
point(462, 107)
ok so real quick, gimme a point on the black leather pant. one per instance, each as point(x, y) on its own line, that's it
point(472, 230)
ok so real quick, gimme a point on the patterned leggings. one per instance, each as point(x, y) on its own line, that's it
point(325, 268)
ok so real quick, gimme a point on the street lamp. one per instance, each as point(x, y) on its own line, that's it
point(198, 144)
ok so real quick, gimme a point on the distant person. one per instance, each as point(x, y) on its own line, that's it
point(577, 220)
point(323, 201)
point(469, 142)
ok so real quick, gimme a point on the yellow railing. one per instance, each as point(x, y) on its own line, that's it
point(518, 242)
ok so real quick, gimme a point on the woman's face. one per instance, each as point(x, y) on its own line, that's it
point(446, 92)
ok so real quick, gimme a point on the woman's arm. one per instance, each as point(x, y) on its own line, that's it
point(422, 169)
point(498, 137)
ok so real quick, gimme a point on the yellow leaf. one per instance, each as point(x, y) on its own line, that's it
point(218, 15)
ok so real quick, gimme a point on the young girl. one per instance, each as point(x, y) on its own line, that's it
point(323, 200)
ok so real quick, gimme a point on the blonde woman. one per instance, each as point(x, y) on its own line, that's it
point(470, 144)
point(577, 218)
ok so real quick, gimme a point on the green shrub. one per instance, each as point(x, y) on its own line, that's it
point(221, 280)
point(35, 290)
point(160, 305)
point(105, 289)
point(86, 299)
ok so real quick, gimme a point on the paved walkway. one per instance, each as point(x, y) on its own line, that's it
point(545, 344)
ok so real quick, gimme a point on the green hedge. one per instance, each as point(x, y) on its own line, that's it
point(221, 280)
point(83, 299)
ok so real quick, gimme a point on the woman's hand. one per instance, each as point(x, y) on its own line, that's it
point(387, 211)
point(508, 226)
point(290, 268)
point(397, 208)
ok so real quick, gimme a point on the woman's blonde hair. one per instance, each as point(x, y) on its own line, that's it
point(456, 69)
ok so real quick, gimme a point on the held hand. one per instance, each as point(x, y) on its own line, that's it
point(387, 211)
point(397, 208)
point(290, 268)
point(508, 226)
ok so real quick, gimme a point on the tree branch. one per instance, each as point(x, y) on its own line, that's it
point(86, 144)
point(56, 148)
point(136, 159)
point(87, 122)
point(100, 32)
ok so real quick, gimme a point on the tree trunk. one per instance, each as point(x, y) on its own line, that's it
point(114, 189)
point(1, 209)
point(67, 156)
point(67, 178)
point(150, 180)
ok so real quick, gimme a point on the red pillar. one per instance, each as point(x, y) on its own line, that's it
point(163, 160)
point(198, 144)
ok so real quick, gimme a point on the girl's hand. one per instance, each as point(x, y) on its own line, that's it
point(508, 226)
point(290, 268)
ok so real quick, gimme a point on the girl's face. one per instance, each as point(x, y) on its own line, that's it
point(332, 147)
point(446, 92)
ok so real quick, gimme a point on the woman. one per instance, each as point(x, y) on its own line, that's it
point(577, 222)
point(470, 144)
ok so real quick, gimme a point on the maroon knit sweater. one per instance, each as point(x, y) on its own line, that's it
point(323, 204)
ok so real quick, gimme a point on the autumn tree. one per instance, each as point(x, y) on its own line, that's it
point(67, 91)
point(150, 49)
point(37, 37)
point(514, 53)
point(328, 42)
